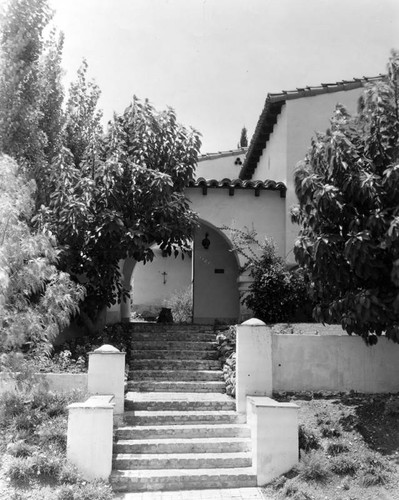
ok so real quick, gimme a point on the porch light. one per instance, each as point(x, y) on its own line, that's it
point(206, 242)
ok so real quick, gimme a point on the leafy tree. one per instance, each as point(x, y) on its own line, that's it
point(243, 139)
point(52, 118)
point(119, 201)
point(30, 89)
point(348, 194)
point(36, 300)
point(83, 129)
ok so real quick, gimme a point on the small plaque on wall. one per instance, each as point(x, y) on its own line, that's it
point(219, 271)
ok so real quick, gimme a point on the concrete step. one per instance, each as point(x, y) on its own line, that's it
point(157, 328)
point(183, 431)
point(174, 354)
point(170, 417)
point(180, 401)
point(184, 479)
point(173, 345)
point(126, 461)
point(183, 445)
point(173, 336)
point(167, 364)
point(176, 375)
point(184, 386)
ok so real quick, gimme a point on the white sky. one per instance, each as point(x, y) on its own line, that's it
point(214, 61)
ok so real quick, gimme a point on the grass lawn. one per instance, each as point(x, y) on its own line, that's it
point(33, 450)
point(350, 449)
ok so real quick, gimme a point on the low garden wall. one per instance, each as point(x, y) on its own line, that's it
point(334, 363)
point(56, 382)
point(267, 362)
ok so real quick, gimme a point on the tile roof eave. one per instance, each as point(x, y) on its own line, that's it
point(222, 154)
point(238, 183)
point(272, 108)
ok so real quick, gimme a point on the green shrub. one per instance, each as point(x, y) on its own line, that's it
point(374, 477)
point(375, 470)
point(59, 361)
point(53, 431)
point(295, 490)
point(11, 405)
point(226, 340)
point(276, 294)
point(229, 375)
point(181, 304)
point(336, 447)
point(331, 430)
point(88, 491)
point(313, 467)
point(75, 352)
point(308, 440)
point(36, 466)
point(344, 465)
point(16, 468)
point(68, 474)
point(20, 448)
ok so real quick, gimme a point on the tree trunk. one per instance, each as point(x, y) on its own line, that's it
point(97, 324)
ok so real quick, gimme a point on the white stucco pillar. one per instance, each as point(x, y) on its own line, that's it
point(274, 435)
point(125, 310)
point(106, 374)
point(254, 368)
point(89, 437)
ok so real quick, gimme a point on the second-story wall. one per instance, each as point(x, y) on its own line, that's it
point(273, 161)
point(220, 166)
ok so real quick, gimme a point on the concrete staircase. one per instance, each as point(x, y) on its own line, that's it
point(181, 431)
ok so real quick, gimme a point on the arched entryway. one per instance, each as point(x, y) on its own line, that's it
point(215, 277)
point(155, 283)
point(212, 272)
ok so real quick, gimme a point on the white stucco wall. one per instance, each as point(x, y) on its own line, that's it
point(55, 382)
point(273, 161)
point(150, 288)
point(219, 168)
point(264, 213)
point(334, 363)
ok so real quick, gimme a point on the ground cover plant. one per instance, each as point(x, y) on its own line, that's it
point(226, 345)
point(349, 449)
point(33, 450)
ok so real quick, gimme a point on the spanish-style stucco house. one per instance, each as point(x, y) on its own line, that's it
point(239, 189)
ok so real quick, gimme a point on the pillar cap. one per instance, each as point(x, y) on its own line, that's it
point(107, 348)
point(253, 322)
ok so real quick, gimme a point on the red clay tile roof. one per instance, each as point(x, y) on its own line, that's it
point(272, 108)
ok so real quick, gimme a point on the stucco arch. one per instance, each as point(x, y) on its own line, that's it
point(213, 273)
point(215, 276)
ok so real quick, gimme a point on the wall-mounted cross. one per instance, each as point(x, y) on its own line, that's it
point(164, 274)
